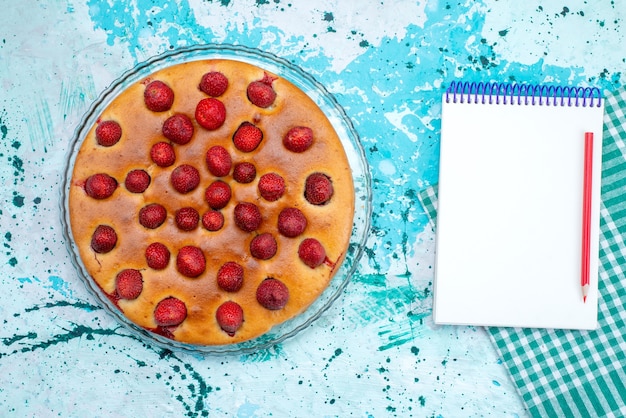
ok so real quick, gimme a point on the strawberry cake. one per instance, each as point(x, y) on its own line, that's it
point(211, 201)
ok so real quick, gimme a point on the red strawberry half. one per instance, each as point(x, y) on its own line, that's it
point(158, 96)
point(213, 220)
point(271, 186)
point(137, 181)
point(103, 239)
point(311, 252)
point(152, 215)
point(291, 222)
point(244, 172)
point(230, 276)
point(157, 256)
point(298, 139)
point(178, 128)
point(272, 294)
point(261, 93)
point(229, 316)
point(108, 133)
point(247, 137)
point(263, 246)
point(100, 186)
point(190, 261)
point(213, 83)
point(163, 155)
point(217, 194)
point(185, 178)
point(218, 161)
point(210, 113)
point(247, 216)
point(129, 284)
point(187, 218)
point(318, 189)
point(170, 312)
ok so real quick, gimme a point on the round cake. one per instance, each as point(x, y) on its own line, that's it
point(211, 201)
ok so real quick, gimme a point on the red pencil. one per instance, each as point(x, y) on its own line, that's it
point(586, 256)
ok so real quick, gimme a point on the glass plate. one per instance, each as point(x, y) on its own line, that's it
point(344, 128)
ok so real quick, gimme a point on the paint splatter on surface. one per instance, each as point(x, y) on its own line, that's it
point(375, 352)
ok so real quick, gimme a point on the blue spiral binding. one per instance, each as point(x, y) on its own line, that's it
point(522, 94)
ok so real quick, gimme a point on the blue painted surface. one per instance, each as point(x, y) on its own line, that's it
point(376, 352)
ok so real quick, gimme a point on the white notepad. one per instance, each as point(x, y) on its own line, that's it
point(509, 217)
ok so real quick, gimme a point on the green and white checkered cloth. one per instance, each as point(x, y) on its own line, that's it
point(565, 373)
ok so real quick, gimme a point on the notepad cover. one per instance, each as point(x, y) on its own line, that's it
point(509, 225)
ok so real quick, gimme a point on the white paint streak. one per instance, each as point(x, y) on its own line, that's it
point(585, 37)
point(304, 28)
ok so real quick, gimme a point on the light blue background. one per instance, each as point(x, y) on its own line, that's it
point(376, 352)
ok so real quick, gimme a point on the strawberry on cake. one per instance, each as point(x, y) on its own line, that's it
point(211, 201)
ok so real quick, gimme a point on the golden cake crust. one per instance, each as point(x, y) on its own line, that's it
point(330, 224)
